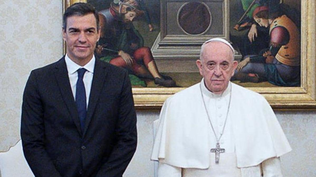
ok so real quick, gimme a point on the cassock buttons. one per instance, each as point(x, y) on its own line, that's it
point(83, 147)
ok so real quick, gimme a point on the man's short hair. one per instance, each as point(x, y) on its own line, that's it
point(80, 9)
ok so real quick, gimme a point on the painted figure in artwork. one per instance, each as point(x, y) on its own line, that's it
point(257, 37)
point(280, 63)
point(122, 45)
point(141, 5)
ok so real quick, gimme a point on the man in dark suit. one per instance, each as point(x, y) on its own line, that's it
point(60, 139)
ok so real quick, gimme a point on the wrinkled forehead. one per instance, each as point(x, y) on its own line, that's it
point(216, 51)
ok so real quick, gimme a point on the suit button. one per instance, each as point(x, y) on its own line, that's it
point(80, 172)
point(83, 147)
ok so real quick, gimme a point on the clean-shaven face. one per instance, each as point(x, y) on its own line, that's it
point(217, 66)
point(262, 22)
point(81, 35)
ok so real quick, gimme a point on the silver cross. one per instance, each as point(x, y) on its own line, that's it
point(218, 150)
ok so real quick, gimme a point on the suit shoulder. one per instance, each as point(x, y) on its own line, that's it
point(47, 68)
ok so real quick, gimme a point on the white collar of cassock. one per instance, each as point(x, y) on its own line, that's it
point(210, 94)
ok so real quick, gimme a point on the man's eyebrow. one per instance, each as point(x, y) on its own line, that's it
point(89, 29)
point(210, 62)
point(77, 29)
point(73, 28)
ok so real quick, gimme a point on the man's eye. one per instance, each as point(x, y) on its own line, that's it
point(211, 65)
point(90, 31)
point(224, 65)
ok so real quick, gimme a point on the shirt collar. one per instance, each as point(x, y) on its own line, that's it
point(72, 67)
point(211, 94)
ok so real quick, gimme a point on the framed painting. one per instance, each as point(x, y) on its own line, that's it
point(175, 47)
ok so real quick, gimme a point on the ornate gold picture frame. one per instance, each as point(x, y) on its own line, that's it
point(280, 98)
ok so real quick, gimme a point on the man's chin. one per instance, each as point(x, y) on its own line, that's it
point(218, 88)
point(82, 54)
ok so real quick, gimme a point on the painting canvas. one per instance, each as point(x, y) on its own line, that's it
point(164, 26)
point(128, 29)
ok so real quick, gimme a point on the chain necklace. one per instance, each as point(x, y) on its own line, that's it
point(218, 148)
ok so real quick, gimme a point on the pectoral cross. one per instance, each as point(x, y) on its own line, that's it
point(218, 150)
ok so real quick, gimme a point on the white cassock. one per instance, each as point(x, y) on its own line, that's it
point(253, 138)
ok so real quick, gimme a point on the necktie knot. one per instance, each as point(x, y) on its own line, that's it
point(81, 72)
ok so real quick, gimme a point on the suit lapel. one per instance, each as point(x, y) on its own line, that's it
point(62, 78)
point(99, 77)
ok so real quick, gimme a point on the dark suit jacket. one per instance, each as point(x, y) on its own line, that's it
point(53, 142)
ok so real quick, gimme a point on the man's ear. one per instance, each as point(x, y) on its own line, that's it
point(64, 33)
point(199, 65)
point(99, 33)
point(235, 64)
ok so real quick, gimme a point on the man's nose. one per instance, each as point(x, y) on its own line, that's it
point(218, 70)
point(82, 37)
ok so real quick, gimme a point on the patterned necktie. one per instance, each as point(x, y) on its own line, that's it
point(81, 97)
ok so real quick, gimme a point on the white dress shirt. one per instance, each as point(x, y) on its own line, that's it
point(72, 68)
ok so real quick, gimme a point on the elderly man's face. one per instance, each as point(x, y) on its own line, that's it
point(217, 66)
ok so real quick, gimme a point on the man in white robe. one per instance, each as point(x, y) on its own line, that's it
point(216, 113)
